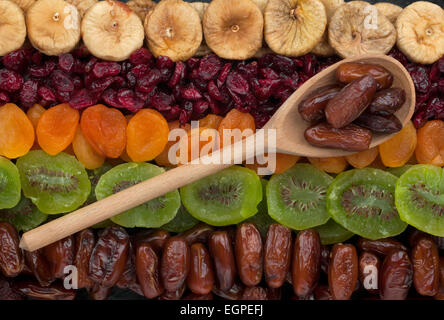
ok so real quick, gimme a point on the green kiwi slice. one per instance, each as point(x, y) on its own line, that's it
point(399, 171)
point(227, 197)
point(296, 198)
point(10, 188)
point(419, 197)
point(363, 202)
point(332, 233)
point(24, 216)
point(183, 221)
point(55, 184)
point(151, 214)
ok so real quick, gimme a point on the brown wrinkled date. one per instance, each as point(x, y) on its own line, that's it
point(396, 275)
point(425, 261)
point(343, 271)
point(39, 266)
point(36, 291)
point(200, 280)
point(349, 72)
point(85, 242)
point(199, 233)
point(381, 247)
point(147, 269)
point(379, 124)
point(222, 253)
point(233, 293)
point(175, 263)
point(60, 254)
point(312, 108)
point(11, 256)
point(128, 279)
point(254, 293)
point(249, 252)
point(350, 102)
point(306, 262)
point(173, 295)
point(156, 239)
point(349, 138)
point(108, 258)
point(369, 268)
point(388, 101)
point(277, 255)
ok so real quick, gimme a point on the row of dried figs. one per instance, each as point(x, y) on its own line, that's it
point(229, 263)
point(233, 29)
point(344, 117)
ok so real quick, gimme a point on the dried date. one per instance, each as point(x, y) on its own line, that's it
point(388, 101)
point(381, 247)
point(60, 254)
point(348, 72)
point(200, 280)
point(249, 253)
point(379, 124)
point(312, 108)
point(425, 261)
point(396, 276)
point(85, 242)
point(175, 263)
point(277, 255)
point(221, 250)
point(369, 268)
point(147, 269)
point(11, 256)
point(343, 271)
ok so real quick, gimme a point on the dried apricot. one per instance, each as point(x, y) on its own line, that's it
point(105, 130)
point(283, 163)
point(146, 135)
point(363, 159)
point(85, 153)
point(236, 120)
point(396, 151)
point(430, 147)
point(162, 159)
point(206, 139)
point(211, 121)
point(330, 165)
point(56, 128)
point(34, 113)
point(17, 132)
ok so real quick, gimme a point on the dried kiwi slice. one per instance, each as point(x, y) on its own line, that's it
point(9, 184)
point(24, 216)
point(332, 233)
point(183, 221)
point(296, 198)
point(227, 197)
point(363, 202)
point(419, 198)
point(151, 214)
point(55, 184)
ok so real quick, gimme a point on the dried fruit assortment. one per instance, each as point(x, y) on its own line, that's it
point(310, 231)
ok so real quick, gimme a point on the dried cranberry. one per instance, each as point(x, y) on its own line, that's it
point(78, 67)
point(172, 114)
point(248, 71)
point(193, 63)
point(61, 81)
point(101, 85)
point(434, 74)
point(109, 96)
point(209, 67)
point(43, 70)
point(163, 62)
point(82, 99)
point(186, 112)
point(268, 73)
point(66, 62)
point(89, 79)
point(199, 107)
point(214, 106)
point(237, 84)
point(63, 96)
point(36, 58)
point(106, 69)
point(140, 71)
point(119, 82)
point(4, 97)
point(398, 55)
point(16, 60)
point(141, 56)
point(132, 79)
point(46, 94)
point(441, 86)
point(419, 120)
point(214, 91)
point(310, 62)
point(142, 96)
point(147, 83)
point(162, 101)
point(78, 82)
point(81, 52)
point(260, 119)
point(190, 93)
point(178, 74)
point(126, 67)
point(420, 77)
point(165, 75)
point(10, 80)
point(263, 88)
point(90, 64)
point(129, 100)
point(200, 84)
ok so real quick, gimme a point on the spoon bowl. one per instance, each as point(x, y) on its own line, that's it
point(290, 127)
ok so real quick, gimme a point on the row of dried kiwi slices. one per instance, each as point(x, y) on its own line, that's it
point(369, 202)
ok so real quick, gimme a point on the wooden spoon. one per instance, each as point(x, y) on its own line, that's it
point(289, 129)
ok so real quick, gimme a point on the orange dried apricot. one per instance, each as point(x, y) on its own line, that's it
point(211, 121)
point(162, 159)
point(34, 113)
point(430, 146)
point(17, 135)
point(146, 135)
point(330, 165)
point(85, 153)
point(105, 130)
point(283, 163)
point(396, 151)
point(363, 159)
point(206, 139)
point(236, 120)
point(57, 127)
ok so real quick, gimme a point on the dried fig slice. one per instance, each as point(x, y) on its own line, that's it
point(141, 7)
point(174, 30)
point(200, 8)
point(294, 27)
point(82, 5)
point(233, 29)
point(323, 48)
point(24, 4)
point(261, 4)
point(358, 28)
point(390, 10)
point(420, 28)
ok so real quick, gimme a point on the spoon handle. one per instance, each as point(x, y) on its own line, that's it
point(138, 194)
